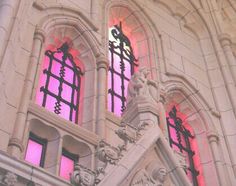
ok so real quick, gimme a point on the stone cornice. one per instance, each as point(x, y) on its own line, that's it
point(29, 172)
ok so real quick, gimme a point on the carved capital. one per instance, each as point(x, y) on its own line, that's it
point(16, 142)
point(212, 137)
point(9, 179)
point(39, 34)
point(225, 40)
point(102, 62)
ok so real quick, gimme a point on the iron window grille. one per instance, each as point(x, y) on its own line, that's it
point(121, 52)
point(67, 65)
point(182, 141)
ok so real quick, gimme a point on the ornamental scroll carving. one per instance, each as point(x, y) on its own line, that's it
point(129, 133)
point(141, 86)
point(107, 153)
point(9, 179)
point(155, 177)
point(83, 176)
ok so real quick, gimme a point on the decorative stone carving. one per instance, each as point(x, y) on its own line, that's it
point(83, 176)
point(159, 175)
point(9, 179)
point(182, 160)
point(107, 153)
point(140, 85)
point(142, 178)
point(157, 172)
point(129, 133)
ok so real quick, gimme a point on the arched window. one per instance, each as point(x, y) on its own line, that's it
point(121, 68)
point(181, 139)
point(60, 83)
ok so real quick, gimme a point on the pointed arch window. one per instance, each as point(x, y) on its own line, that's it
point(121, 68)
point(180, 139)
point(60, 83)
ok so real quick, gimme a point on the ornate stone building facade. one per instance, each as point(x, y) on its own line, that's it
point(117, 92)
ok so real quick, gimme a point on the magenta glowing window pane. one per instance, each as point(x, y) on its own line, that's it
point(66, 167)
point(122, 65)
point(117, 84)
point(117, 106)
point(34, 152)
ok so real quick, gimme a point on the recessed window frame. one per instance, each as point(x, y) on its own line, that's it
point(40, 141)
point(69, 155)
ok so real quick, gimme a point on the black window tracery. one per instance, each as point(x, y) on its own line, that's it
point(122, 66)
point(63, 83)
point(179, 138)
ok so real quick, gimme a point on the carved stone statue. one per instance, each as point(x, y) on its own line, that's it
point(140, 85)
point(157, 173)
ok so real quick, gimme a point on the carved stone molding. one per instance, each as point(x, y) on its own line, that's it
point(83, 176)
point(142, 178)
point(129, 133)
point(107, 153)
point(9, 179)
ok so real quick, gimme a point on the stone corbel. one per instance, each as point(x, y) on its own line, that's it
point(83, 176)
point(108, 154)
point(9, 179)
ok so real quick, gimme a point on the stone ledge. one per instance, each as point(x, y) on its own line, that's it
point(29, 172)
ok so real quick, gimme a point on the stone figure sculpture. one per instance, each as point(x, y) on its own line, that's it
point(141, 86)
point(157, 172)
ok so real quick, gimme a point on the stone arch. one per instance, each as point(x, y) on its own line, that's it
point(74, 26)
point(195, 114)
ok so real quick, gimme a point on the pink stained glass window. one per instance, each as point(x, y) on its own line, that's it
point(35, 151)
point(67, 164)
point(121, 68)
point(60, 84)
point(66, 167)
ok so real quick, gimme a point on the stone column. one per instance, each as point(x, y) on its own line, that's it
point(226, 45)
point(213, 141)
point(15, 147)
point(8, 9)
point(102, 67)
